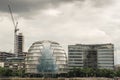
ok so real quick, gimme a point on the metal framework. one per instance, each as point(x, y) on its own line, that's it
point(15, 24)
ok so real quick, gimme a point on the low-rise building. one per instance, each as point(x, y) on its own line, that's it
point(4, 55)
point(15, 63)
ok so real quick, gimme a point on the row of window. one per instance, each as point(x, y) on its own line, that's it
point(75, 50)
point(75, 60)
point(75, 53)
point(105, 57)
point(105, 65)
point(75, 56)
point(75, 63)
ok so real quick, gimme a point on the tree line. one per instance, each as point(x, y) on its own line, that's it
point(90, 72)
point(75, 72)
point(6, 72)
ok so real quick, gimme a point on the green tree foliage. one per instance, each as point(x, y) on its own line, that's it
point(18, 73)
point(90, 72)
point(5, 72)
point(75, 72)
point(117, 73)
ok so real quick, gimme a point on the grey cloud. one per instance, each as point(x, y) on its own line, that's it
point(29, 6)
point(101, 3)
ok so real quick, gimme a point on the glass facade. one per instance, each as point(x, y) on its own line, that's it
point(46, 57)
point(95, 56)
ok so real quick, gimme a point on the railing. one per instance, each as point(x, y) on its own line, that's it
point(58, 79)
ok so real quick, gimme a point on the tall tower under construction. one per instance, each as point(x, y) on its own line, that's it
point(20, 42)
point(16, 62)
point(18, 37)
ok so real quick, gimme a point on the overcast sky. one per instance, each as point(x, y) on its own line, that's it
point(63, 21)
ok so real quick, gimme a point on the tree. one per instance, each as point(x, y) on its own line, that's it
point(90, 72)
point(5, 72)
point(117, 73)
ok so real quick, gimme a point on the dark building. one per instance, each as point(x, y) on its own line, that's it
point(4, 55)
point(20, 42)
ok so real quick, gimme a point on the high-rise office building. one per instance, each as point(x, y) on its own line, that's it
point(93, 56)
point(20, 42)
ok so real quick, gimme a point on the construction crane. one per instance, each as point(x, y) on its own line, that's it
point(15, 24)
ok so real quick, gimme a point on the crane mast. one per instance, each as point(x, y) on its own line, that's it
point(15, 24)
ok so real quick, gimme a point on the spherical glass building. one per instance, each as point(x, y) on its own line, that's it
point(46, 57)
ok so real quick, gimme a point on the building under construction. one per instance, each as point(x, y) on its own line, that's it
point(92, 56)
point(16, 62)
point(19, 46)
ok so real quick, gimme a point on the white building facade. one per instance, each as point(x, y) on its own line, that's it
point(93, 56)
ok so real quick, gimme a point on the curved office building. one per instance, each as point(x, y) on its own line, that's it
point(46, 57)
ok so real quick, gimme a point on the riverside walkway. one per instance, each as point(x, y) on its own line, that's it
point(58, 79)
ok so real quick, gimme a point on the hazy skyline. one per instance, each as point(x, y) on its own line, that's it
point(64, 21)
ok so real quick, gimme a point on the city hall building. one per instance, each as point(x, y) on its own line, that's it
point(99, 56)
point(46, 57)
